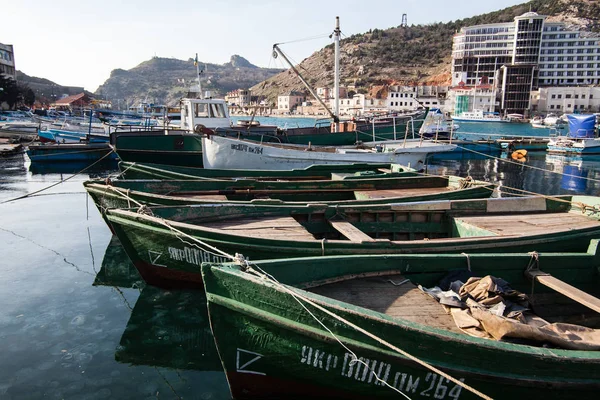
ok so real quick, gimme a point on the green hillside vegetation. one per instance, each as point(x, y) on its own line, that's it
point(417, 54)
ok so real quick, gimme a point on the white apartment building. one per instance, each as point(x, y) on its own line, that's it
point(568, 99)
point(520, 56)
point(290, 101)
point(239, 97)
point(7, 61)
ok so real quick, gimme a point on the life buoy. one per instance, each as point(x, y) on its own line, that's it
point(519, 155)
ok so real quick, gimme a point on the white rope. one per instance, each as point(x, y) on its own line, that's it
point(355, 358)
point(372, 336)
point(297, 296)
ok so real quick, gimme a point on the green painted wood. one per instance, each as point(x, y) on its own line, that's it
point(133, 170)
point(270, 345)
point(149, 242)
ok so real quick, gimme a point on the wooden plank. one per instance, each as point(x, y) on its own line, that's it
point(403, 301)
point(270, 228)
point(530, 223)
point(408, 192)
point(351, 232)
point(566, 289)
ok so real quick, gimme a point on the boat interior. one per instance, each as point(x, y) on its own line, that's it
point(400, 225)
point(398, 296)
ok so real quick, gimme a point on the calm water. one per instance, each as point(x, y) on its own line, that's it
point(76, 321)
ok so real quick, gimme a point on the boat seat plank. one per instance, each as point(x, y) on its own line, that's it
point(219, 197)
point(409, 192)
point(272, 228)
point(564, 288)
point(351, 232)
point(405, 301)
point(530, 223)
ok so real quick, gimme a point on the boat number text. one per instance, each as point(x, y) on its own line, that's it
point(194, 256)
point(427, 385)
point(247, 149)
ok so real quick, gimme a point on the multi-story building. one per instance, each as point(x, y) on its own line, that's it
point(571, 99)
point(7, 61)
point(239, 97)
point(521, 56)
point(288, 102)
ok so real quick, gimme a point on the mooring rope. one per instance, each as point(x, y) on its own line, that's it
point(59, 182)
point(246, 264)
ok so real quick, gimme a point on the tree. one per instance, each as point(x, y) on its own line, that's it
point(9, 92)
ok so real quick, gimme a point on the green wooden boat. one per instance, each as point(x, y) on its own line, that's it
point(133, 170)
point(346, 190)
point(276, 341)
point(168, 244)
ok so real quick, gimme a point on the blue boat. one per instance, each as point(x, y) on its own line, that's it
point(64, 136)
point(88, 152)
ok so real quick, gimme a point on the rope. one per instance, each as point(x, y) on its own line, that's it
point(240, 260)
point(370, 335)
point(520, 164)
point(321, 36)
point(73, 152)
point(59, 182)
point(355, 358)
point(323, 246)
point(534, 264)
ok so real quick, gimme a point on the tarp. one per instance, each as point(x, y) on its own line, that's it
point(582, 126)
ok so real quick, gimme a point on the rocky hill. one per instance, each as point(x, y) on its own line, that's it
point(166, 80)
point(417, 54)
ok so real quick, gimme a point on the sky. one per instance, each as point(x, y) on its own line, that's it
point(79, 42)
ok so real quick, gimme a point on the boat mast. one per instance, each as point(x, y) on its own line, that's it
point(198, 74)
point(336, 39)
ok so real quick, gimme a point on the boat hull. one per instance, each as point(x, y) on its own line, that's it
point(271, 347)
point(88, 152)
point(160, 242)
point(227, 153)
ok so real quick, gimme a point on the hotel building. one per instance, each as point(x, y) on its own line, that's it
point(510, 60)
point(7, 61)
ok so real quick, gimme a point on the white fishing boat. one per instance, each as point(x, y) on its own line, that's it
point(478, 116)
point(436, 125)
point(231, 153)
point(581, 140)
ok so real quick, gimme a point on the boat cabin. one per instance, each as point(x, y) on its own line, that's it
point(211, 113)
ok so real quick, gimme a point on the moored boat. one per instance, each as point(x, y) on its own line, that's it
point(582, 138)
point(352, 327)
point(342, 189)
point(129, 170)
point(70, 152)
point(157, 239)
point(225, 152)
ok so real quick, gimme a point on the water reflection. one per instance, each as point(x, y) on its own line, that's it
point(539, 173)
point(166, 328)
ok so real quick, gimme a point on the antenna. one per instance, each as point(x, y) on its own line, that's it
point(404, 23)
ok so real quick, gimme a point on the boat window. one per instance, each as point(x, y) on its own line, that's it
point(217, 110)
point(202, 110)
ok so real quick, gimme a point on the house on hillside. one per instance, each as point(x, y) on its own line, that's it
point(288, 102)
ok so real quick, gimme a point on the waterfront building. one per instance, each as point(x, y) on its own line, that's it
point(239, 97)
point(571, 99)
point(288, 102)
point(7, 61)
point(519, 57)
